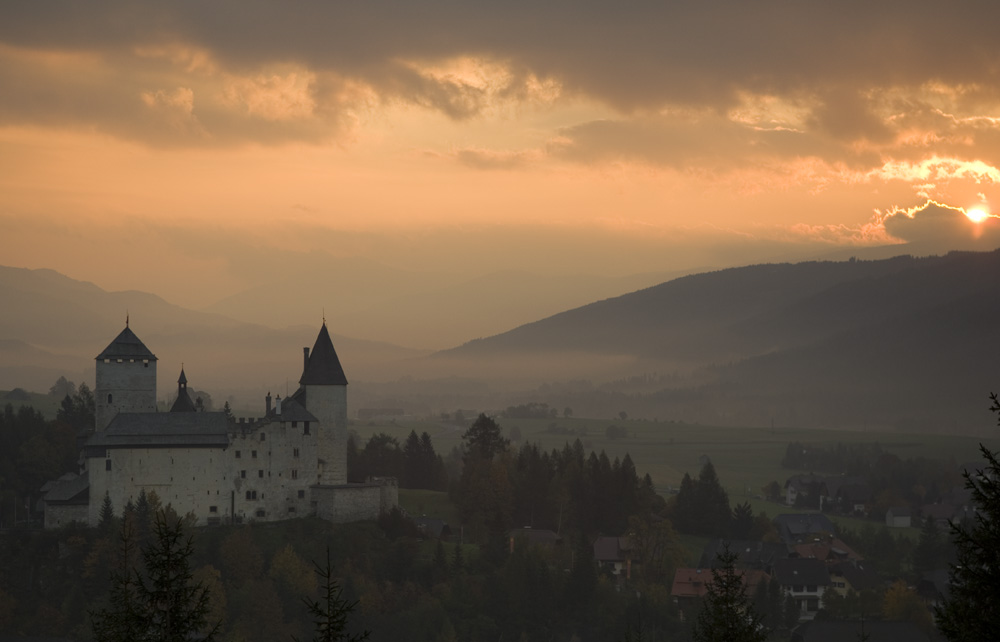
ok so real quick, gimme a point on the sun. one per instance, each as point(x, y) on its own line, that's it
point(977, 215)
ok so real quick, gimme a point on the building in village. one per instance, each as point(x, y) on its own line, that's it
point(289, 462)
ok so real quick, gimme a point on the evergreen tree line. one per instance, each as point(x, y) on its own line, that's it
point(415, 465)
point(564, 490)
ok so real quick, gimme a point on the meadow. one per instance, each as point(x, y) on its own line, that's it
point(745, 459)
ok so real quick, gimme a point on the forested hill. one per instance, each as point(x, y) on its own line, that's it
point(903, 341)
point(741, 312)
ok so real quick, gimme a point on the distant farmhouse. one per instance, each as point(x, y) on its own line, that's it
point(290, 462)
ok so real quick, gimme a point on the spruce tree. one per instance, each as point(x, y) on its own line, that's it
point(727, 614)
point(972, 610)
point(173, 607)
point(331, 611)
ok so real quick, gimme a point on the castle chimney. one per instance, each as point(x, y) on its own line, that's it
point(305, 358)
point(277, 405)
point(267, 403)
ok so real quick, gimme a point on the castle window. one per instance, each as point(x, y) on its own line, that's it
point(291, 509)
point(260, 512)
point(253, 453)
point(295, 474)
point(243, 474)
point(295, 453)
point(106, 360)
point(260, 473)
point(237, 454)
point(145, 363)
point(119, 361)
point(107, 464)
point(213, 509)
point(295, 424)
point(302, 494)
point(262, 436)
point(109, 397)
point(305, 431)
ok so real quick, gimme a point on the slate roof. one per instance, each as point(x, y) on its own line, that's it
point(794, 527)
point(183, 402)
point(126, 346)
point(535, 536)
point(323, 367)
point(162, 429)
point(859, 574)
point(612, 549)
point(751, 554)
point(73, 491)
point(796, 571)
point(291, 410)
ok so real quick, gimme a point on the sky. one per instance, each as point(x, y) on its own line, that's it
point(197, 150)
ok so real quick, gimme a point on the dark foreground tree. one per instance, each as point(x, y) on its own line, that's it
point(727, 614)
point(331, 611)
point(163, 603)
point(972, 610)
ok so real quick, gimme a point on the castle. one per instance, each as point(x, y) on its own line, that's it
point(290, 462)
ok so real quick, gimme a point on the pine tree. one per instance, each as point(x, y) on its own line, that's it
point(727, 614)
point(330, 613)
point(120, 621)
point(173, 607)
point(163, 604)
point(107, 517)
point(972, 610)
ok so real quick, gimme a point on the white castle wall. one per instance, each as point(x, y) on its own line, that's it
point(125, 385)
point(329, 405)
point(271, 470)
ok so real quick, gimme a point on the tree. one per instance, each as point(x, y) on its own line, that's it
point(62, 388)
point(727, 614)
point(107, 517)
point(484, 438)
point(742, 521)
point(330, 613)
point(972, 610)
point(173, 607)
point(161, 604)
point(930, 551)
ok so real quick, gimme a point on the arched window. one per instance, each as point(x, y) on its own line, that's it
point(109, 397)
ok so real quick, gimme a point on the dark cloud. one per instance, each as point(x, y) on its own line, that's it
point(936, 226)
point(637, 56)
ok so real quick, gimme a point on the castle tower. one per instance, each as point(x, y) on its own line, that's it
point(183, 402)
point(325, 395)
point(126, 379)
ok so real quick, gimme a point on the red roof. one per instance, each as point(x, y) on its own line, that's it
point(693, 582)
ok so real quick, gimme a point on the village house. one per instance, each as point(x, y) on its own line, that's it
point(805, 580)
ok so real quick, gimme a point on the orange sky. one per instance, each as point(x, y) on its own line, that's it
point(197, 150)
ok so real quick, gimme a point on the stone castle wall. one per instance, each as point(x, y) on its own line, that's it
point(329, 405)
point(126, 385)
point(348, 502)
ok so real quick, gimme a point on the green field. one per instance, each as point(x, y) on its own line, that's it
point(745, 458)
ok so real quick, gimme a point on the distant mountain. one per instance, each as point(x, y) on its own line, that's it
point(414, 308)
point(55, 325)
point(902, 341)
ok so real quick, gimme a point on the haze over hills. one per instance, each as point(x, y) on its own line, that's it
point(891, 342)
point(422, 309)
point(906, 342)
point(54, 326)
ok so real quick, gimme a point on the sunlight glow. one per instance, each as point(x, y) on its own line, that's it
point(977, 215)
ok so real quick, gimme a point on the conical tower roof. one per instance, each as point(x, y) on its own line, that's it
point(127, 346)
point(323, 367)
